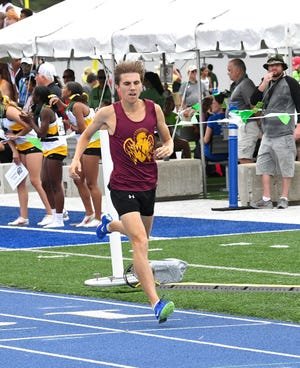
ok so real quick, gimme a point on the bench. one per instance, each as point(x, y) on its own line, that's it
point(250, 185)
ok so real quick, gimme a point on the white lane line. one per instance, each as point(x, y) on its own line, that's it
point(69, 357)
point(56, 337)
point(50, 230)
point(128, 305)
point(146, 334)
point(224, 346)
point(245, 270)
point(209, 327)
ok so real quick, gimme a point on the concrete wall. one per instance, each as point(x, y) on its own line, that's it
point(250, 185)
point(176, 179)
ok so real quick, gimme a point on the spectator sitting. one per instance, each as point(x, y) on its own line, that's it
point(25, 13)
point(11, 17)
point(214, 128)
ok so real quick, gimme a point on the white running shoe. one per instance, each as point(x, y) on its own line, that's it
point(46, 220)
point(54, 224)
point(93, 223)
point(66, 215)
point(20, 221)
point(85, 220)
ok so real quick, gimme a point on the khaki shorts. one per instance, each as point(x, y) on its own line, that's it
point(276, 156)
point(248, 134)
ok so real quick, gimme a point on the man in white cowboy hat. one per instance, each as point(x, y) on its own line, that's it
point(279, 94)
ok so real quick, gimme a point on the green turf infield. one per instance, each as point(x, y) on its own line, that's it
point(271, 258)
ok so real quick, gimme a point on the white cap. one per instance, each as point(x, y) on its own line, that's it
point(26, 60)
point(48, 70)
point(191, 68)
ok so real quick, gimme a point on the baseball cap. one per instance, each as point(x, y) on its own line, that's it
point(48, 70)
point(26, 60)
point(192, 68)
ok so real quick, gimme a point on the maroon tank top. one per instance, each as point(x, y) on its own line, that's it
point(132, 148)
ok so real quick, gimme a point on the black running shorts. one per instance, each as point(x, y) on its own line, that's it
point(125, 202)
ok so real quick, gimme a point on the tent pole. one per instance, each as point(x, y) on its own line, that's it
point(203, 164)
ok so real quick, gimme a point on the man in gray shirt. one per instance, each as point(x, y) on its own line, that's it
point(279, 94)
point(241, 90)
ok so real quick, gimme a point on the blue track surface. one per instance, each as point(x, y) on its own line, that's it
point(164, 227)
point(47, 330)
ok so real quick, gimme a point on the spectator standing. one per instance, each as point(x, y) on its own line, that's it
point(154, 89)
point(241, 90)
point(171, 119)
point(68, 76)
point(27, 153)
point(26, 66)
point(45, 76)
point(213, 77)
point(49, 127)
point(206, 81)
point(6, 86)
point(177, 79)
point(80, 116)
point(189, 90)
point(131, 123)
point(280, 94)
point(100, 94)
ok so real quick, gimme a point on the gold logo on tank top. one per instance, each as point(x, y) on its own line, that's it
point(140, 148)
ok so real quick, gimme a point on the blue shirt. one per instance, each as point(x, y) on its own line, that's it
point(217, 130)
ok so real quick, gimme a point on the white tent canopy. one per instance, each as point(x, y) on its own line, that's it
point(20, 39)
point(104, 27)
point(248, 25)
point(100, 27)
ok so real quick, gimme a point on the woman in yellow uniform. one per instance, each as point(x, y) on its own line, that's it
point(50, 129)
point(26, 152)
point(80, 116)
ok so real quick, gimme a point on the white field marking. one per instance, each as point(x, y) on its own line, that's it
point(71, 254)
point(127, 305)
point(59, 230)
point(141, 333)
point(190, 265)
point(229, 234)
point(149, 250)
point(232, 244)
point(63, 307)
point(53, 337)
point(104, 314)
point(7, 323)
point(18, 329)
point(245, 270)
point(197, 327)
point(69, 357)
point(279, 246)
point(54, 256)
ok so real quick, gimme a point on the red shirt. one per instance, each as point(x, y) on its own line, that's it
point(132, 148)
